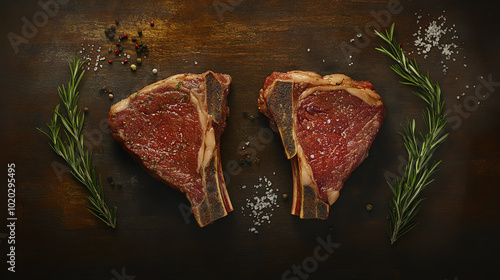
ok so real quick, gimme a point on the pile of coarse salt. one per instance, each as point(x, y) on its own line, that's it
point(261, 206)
point(93, 56)
point(437, 35)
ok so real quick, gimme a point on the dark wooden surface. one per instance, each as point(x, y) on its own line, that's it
point(57, 238)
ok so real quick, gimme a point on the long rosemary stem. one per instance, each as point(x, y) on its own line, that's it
point(72, 150)
point(418, 172)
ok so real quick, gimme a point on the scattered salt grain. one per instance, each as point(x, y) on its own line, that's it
point(261, 206)
point(437, 35)
point(88, 55)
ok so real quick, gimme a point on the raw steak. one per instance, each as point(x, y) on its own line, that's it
point(327, 124)
point(173, 129)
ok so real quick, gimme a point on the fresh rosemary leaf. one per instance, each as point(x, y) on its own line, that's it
point(72, 150)
point(417, 175)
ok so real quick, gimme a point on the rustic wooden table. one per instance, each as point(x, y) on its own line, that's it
point(57, 238)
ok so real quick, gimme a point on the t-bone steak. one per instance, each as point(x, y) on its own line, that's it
point(327, 124)
point(173, 129)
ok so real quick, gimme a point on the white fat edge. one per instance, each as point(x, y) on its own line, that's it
point(338, 79)
point(305, 171)
point(307, 77)
point(205, 119)
point(307, 177)
point(122, 105)
point(332, 195)
point(209, 147)
point(316, 80)
point(334, 82)
point(368, 96)
point(175, 82)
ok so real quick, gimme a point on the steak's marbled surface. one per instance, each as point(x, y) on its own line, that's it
point(327, 127)
point(169, 128)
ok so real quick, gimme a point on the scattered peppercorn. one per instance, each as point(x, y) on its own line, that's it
point(139, 61)
point(155, 71)
point(110, 96)
point(125, 61)
point(141, 48)
point(369, 207)
point(117, 51)
point(133, 67)
point(285, 196)
point(152, 24)
point(110, 61)
point(118, 44)
point(248, 158)
point(85, 109)
point(109, 33)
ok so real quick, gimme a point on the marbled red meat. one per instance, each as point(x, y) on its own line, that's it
point(327, 125)
point(173, 129)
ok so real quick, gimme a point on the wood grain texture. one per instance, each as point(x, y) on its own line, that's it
point(57, 238)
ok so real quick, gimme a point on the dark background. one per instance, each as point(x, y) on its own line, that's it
point(57, 238)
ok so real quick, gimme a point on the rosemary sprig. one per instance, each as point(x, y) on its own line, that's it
point(420, 147)
point(72, 150)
